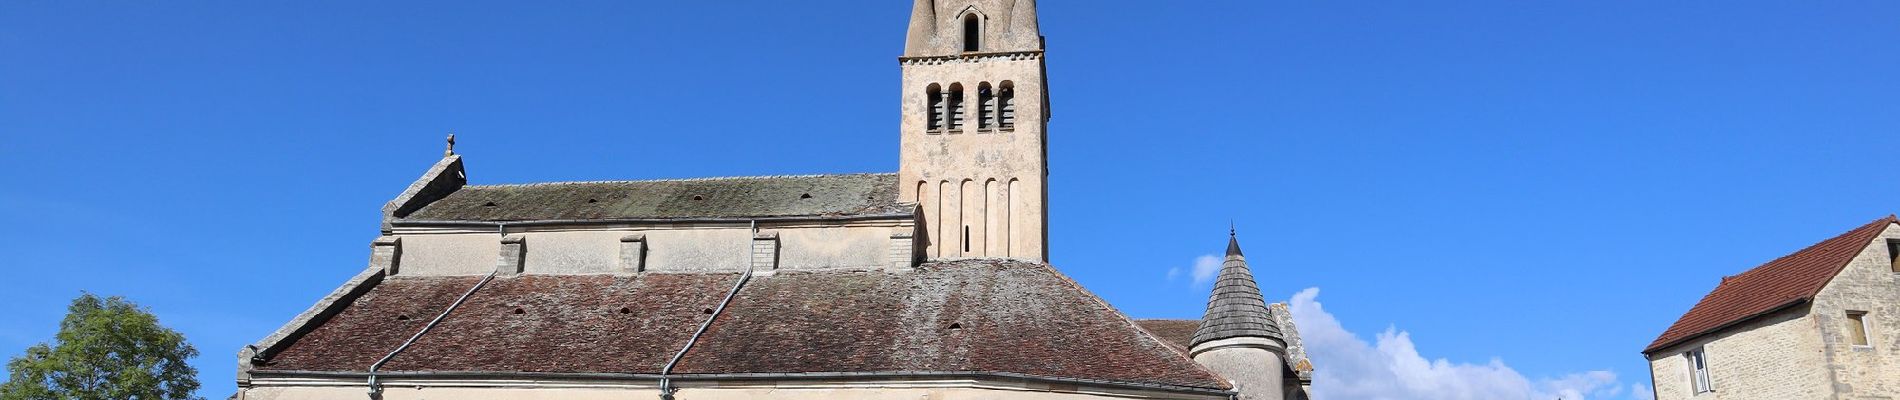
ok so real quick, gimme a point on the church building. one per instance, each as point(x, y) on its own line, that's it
point(932, 282)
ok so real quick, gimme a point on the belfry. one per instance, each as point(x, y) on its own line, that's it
point(974, 140)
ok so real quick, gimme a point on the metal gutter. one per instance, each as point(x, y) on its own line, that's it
point(376, 390)
point(750, 377)
point(614, 221)
point(666, 382)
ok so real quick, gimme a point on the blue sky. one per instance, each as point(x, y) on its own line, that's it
point(1541, 186)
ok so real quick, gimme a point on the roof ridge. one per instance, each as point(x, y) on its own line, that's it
point(1818, 245)
point(1790, 279)
point(703, 179)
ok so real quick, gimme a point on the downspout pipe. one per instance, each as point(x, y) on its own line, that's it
point(376, 389)
point(666, 382)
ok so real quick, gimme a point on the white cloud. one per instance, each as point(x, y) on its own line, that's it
point(1642, 392)
point(1203, 271)
point(1347, 367)
point(1205, 267)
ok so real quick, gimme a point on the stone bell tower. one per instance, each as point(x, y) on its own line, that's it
point(975, 116)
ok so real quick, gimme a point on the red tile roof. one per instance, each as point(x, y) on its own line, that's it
point(381, 319)
point(975, 317)
point(1786, 281)
point(569, 324)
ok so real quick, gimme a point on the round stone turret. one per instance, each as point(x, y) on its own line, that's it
point(1238, 337)
point(1236, 308)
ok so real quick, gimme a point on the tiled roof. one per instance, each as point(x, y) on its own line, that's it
point(1176, 332)
point(744, 197)
point(975, 316)
point(568, 324)
point(1786, 281)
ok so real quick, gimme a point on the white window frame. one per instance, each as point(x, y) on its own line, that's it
point(1698, 370)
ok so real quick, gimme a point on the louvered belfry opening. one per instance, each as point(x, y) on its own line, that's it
point(935, 120)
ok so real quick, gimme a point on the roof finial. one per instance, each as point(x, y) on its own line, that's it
point(1233, 240)
point(451, 150)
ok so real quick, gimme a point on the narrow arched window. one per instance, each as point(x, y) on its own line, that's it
point(957, 111)
point(985, 107)
point(972, 33)
point(935, 110)
point(1006, 105)
point(966, 239)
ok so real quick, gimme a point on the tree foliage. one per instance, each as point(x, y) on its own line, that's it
point(106, 349)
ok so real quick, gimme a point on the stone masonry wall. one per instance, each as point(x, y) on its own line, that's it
point(988, 180)
point(1805, 353)
point(1774, 357)
point(676, 249)
point(1868, 284)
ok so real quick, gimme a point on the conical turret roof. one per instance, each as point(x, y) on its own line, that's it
point(1236, 308)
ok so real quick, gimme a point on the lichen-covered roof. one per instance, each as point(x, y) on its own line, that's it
point(1780, 283)
point(571, 324)
point(973, 316)
point(742, 197)
point(1176, 332)
point(1295, 348)
point(1235, 308)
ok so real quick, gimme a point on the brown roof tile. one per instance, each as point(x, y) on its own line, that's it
point(963, 316)
point(371, 326)
point(981, 316)
point(566, 325)
point(1176, 332)
point(1785, 281)
point(569, 324)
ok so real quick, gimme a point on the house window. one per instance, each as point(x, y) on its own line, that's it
point(1893, 254)
point(1699, 370)
point(1857, 328)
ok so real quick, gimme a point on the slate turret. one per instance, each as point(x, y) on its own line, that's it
point(1238, 337)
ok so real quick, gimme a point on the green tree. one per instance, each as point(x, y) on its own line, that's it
point(106, 349)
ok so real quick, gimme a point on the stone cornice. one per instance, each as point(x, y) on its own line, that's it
point(971, 58)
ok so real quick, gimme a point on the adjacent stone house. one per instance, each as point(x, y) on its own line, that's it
point(928, 283)
point(1822, 323)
